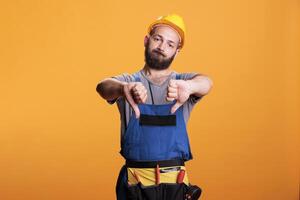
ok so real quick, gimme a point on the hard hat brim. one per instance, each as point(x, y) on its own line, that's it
point(172, 25)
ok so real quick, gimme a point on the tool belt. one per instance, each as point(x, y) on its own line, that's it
point(159, 180)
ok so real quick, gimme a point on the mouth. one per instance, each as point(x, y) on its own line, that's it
point(156, 52)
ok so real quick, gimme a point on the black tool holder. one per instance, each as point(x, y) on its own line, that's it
point(163, 191)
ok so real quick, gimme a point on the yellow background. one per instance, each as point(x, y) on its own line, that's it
point(59, 140)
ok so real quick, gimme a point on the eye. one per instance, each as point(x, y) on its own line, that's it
point(170, 45)
point(156, 38)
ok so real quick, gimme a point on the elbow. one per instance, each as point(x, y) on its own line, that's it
point(101, 88)
point(107, 89)
point(210, 84)
point(206, 85)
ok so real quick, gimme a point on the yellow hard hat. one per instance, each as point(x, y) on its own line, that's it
point(173, 20)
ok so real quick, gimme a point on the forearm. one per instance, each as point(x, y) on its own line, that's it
point(200, 85)
point(110, 88)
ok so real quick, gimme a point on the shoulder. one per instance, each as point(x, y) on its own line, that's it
point(127, 77)
point(187, 75)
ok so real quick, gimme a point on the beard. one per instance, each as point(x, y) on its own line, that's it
point(156, 60)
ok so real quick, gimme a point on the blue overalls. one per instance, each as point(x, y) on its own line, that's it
point(156, 136)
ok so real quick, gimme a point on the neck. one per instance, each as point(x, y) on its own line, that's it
point(156, 73)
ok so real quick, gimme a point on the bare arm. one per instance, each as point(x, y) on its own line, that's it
point(181, 90)
point(134, 92)
point(110, 88)
point(200, 85)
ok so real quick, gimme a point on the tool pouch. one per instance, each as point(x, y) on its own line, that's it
point(162, 191)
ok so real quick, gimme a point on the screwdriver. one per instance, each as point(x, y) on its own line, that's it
point(180, 176)
point(157, 175)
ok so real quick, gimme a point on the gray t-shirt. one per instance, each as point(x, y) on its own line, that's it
point(159, 95)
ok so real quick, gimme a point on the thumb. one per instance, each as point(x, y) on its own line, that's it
point(131, 102)
point(172, 83)
point(175, 107)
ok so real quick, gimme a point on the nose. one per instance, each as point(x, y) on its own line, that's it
point(161, 47)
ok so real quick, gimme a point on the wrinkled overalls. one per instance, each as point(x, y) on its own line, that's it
point(157, 135)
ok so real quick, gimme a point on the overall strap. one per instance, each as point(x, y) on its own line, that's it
point(149, 84)
point(136, 77)
point(177, 77)
point(151, 94)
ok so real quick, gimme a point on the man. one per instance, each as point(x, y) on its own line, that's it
point(154, 141)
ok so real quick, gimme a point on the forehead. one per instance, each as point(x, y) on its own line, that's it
point(167, 33)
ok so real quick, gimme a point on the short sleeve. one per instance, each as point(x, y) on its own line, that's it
point(125, 77)
point(193, 99)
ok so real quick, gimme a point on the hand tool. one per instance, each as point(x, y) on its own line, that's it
point(157, 175)
point(180, 176)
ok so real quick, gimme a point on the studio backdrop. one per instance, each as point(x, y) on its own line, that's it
point(59, 140)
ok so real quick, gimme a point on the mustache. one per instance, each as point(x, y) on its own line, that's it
point(159, 52)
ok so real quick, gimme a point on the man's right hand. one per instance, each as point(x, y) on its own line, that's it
point(135, 92)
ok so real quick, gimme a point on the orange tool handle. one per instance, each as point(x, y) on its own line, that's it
point(136, 176)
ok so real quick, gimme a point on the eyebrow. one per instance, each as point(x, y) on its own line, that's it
point(163, 37)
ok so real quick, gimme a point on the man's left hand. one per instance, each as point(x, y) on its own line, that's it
point(179, 90)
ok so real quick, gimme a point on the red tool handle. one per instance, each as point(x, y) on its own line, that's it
point(180, 176)
point(157, 175)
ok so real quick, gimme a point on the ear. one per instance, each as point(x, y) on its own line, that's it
point(177, 51)
point(146, 39)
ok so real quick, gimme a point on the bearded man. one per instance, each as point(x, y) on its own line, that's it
point(155, 104)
